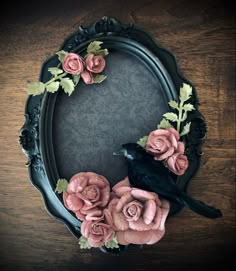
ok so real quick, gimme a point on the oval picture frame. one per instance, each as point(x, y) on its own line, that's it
point(44, 134)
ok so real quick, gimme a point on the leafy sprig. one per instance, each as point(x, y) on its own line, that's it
point(172, 119)
point(182, 109)
point(84, 244)
point(62, 79)
point(61, 185)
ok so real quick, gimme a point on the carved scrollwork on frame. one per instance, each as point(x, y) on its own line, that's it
point(29, 139)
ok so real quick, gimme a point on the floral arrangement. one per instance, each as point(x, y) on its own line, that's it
point(72, 67)
point(122, 215)
point(127, 215)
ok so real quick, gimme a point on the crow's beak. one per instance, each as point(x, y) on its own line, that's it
point(118, 153)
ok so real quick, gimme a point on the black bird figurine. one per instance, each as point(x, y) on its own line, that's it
point(147, 174)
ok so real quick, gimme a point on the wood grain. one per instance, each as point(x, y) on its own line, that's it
point(202, 36)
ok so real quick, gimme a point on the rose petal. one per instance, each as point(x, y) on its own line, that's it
point(119, 221)
point(94, 215)
point(123, 200)
point(156, 236)
point(140, 225)
point(95, 243)
point(120, 191)
point(180, 147)
point(85, 226)
point(120, 238)
point(137, 237)
point(174, 132)
point(112, 204)
point(122, 183)
point(73, 203)
point(157, 219)
point(96, 180)
point(165, 212)
point(142, 195)
point(105, 196)
point(109, 235)
point(149, 211)
point(77, 183)
point(79, 215)
point(165, 155)
point(107, 217)
point(87, 207)
point(82, 197)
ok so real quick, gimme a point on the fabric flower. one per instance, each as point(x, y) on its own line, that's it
point(95, 64)
point(100, 231)
point(87, 193)
point(73, 64)
point(162, 143)
point(138, 216)
point(87, 77)
point(177, 163)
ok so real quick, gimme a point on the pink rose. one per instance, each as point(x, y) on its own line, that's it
point(73, 64)
point(138, 216)
point(98, 232)
point(87, 193)
point(162, 143)
point(177, 163)
point(95, 64)
point(87, 77)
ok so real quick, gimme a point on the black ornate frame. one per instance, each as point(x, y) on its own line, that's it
point(35, 137)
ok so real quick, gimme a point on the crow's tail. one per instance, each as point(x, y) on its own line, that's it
point(200, 207)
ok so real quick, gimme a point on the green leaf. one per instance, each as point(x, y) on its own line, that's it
point(171, 116)
point(61, 185)
point(68, 85)
point(112, 243)
point(173, 104)
point(35, 88)
point(52, 87)
point(83, 242)
point(102, 52)
point(185, 92)
point(142, 141)
point(98, 78)
point(186, 129)
point(188, 107)
point(164, 124)
point(55, 70)
point(76, 79)
point(61, 55)
point(94, 46)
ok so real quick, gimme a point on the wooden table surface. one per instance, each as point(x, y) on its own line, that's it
point(201, 34)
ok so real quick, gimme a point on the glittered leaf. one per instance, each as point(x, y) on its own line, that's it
point(142, 141)
point(61, 55)
point(188, 107)
point(55, 70)
point(68, 85)
point(99, 78)
point(185, 92)
point(171, 116)
point(186, 129)
point(61, 185)
point(35, 88)
point(52, 87)
point(102, 52)
point(83, 242)
point(112, 244)
point(164, 124)
point(173, 104)
point(94, 46)
point(76, 79)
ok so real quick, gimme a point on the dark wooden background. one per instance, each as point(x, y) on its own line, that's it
point(202, 36)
